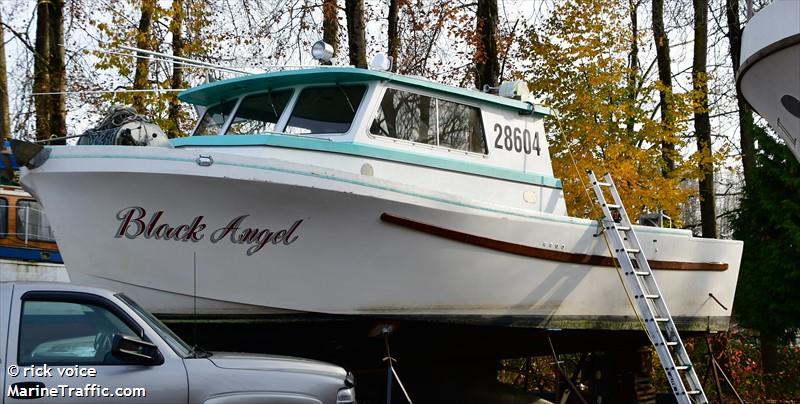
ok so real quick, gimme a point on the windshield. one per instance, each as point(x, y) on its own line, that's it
point(259, 113)
point(214, 119)
point(325, 109)
point(178, 345)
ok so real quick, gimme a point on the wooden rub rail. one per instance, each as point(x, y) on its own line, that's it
point(541, 253)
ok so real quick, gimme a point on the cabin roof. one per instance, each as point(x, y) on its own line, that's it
point(215, 92)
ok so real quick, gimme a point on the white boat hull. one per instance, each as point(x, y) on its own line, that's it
point(769, 75)
point(328, 251)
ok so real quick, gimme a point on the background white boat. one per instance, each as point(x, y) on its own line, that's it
point(28, 251)
point(769, 75)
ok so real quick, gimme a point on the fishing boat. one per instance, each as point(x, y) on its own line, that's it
point(359, 192)
point(769, 73)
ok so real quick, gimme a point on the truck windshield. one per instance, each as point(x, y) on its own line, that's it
point(178, 345)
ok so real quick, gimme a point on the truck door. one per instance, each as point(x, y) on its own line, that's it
point(63, 354)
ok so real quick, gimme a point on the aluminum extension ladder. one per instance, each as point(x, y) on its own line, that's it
point(652, 310)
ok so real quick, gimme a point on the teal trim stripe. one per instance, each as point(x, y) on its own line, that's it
point(547, 217)
point(366, 150)
point(317, 175)
point(218, 91)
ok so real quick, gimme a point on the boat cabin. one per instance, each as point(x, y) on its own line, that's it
point(406, 127)
point(25, 233)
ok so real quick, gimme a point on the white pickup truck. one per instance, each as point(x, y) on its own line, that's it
point(62, 343)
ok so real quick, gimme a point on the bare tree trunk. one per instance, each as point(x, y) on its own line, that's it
point(487, 67)
point(58, 72)
point(41, 73)
point(769, 353)
point(665, 77)
point(425, 132)
point(702, 122)
point(330, 25)
point(745, 114)
point(5, 120)
point(176, 28)
point(633, 61)
point(140, 76)
point(394, 39)
point(356, 36)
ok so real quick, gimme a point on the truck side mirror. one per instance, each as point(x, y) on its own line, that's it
point(135, 350)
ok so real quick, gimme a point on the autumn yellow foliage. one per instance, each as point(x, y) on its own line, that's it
point(606, 122)
point(121, 30)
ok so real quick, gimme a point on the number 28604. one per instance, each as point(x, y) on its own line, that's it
point(516, 140)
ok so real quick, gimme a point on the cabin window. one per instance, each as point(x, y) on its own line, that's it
point(32, 222)
point(460, 127)
point(325, 109)
point(214, 119)
point(421, 119)
point(406, 116)
point(3, 217)
point(259, 113)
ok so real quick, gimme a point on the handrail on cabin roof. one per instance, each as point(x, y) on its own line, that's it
point(218, 91)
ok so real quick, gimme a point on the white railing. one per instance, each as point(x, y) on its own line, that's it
point(42, 232)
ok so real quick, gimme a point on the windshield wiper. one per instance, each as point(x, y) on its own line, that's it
point(272, 104)
point(199, 352)
point(353, 110)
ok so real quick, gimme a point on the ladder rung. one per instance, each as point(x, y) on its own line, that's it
point(651, 296)
point(642, 273)
point(632, 250)
point(612, 206)
point(623, 228)
point(661, 319)
point(671, 343)
point(692, 392)
point(681, 367)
